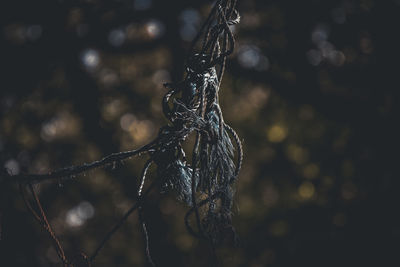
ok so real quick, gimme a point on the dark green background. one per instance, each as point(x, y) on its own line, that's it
point(319, 185)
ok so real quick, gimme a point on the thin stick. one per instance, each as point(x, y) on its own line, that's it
point(120, 223)
point(42, 219)
point(70, 172)
point(141, 219)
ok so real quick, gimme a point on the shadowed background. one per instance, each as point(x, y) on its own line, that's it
point(310, 89)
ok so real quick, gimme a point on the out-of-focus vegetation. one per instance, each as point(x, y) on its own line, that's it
point(311, 89)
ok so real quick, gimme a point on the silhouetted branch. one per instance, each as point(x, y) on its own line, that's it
point(72, 171)
point(121, 222)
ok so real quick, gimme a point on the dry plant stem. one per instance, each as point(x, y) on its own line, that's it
point(42, 219)
point(121, 221)
point(70, 172)
point(140, 211)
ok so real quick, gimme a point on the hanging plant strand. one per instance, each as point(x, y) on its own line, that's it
point(191, 106)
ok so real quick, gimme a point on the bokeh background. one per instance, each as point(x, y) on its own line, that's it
point(310, 89)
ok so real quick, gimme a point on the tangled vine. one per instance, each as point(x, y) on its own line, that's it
point(191, 106)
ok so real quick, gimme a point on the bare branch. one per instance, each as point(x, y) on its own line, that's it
point(72, 171)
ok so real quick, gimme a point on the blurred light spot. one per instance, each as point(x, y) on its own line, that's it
point(311, 171)
point(251, 20)
point(306, 190)
point(112, 109)
point(142, 4)
point(338, 15)
point(339, 219)
point(190, 15)
point(12, 166)
point(78, 215)
point(141, 130)
point(314, 57)
point(349, 191)
point(258, 97)
point(297, 154)
point(90, 58)
point(249, 56)
point(33, 32)
point(60, 126)
point(108, 77)
point(336, 58)
point(73, 220)
point(161, 76)
point(263, 64)
point(279, 228)
point(154, 28)
point(116, 37)
point(320, 34)
point(251, 102)
point(276, 133)
point(49, 130)
point(326, 48)
point(127, 120)
point(85, 210)
point(188, 32)
point(190, 20)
